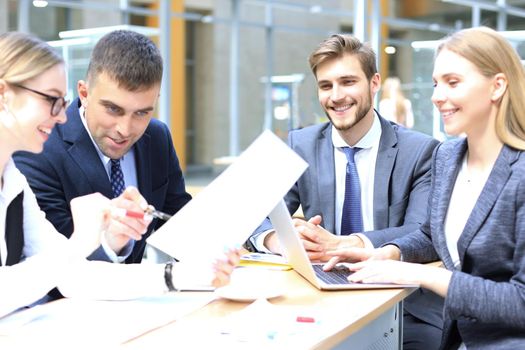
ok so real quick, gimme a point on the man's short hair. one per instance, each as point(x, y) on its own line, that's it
point(129, 58)
point(339, 45)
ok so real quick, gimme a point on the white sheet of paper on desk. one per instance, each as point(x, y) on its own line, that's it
point(91, 324)
point(229, 209)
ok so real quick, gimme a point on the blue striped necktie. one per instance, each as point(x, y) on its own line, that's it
point(351, 220)
point(116, 178)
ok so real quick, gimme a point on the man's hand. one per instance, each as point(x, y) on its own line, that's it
point(123, 228)
point(271, 242)
point(318, 242)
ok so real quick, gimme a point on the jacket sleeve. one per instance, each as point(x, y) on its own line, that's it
point(47, 186)
point(416, 210)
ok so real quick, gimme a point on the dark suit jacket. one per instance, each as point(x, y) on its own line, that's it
point(485, 303)
point(70, 167)
point(402, 183)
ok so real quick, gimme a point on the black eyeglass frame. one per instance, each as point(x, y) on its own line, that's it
point(57, 103)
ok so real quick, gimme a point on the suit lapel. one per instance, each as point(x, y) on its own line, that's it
point(83, 152)
point(326, 178)
point(144, 168)
point(487, 198)
point(451, 166)
point(386, 156)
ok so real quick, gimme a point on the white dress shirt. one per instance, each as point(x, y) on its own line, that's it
point(365, 161)
point(127, 162)
point(129, 170)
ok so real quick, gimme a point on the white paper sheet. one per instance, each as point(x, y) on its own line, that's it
point(228, 210)
point(88, 324)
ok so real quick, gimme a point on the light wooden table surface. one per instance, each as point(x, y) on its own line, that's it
point(346, 311)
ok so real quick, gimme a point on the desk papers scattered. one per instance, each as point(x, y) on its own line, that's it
point(229, 209)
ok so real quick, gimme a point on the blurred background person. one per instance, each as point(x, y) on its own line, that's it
point(394, 105)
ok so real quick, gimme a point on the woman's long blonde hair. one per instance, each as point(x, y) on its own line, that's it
point(493, 54)
point(23, 57)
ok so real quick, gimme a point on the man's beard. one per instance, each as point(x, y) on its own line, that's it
point(362, 111)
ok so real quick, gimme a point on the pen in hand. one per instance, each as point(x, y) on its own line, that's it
point(150, 210)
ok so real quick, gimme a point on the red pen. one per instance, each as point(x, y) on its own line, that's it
point(305, 319)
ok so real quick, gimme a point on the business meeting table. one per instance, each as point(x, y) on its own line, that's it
point(295, 315)
point(301, 318)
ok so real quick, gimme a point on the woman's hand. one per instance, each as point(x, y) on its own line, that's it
point(354, 255)
point(91, 216)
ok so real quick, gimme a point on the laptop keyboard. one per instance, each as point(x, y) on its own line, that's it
point(338, 275)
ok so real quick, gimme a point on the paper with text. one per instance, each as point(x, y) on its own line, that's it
point(229, 209)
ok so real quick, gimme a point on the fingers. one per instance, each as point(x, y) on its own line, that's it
point(224, 267)
point(315, 220)
point(316, 256)
point(308, 232)
point(370, 272)
point(132, 194)
point(312, 247)
point(331, 263)
point(129, 227)
point(352, 254)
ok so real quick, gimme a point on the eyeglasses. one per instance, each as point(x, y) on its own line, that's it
point(57, 103)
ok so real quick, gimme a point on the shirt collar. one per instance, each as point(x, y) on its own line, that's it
point(367, 141)
point(13, 182)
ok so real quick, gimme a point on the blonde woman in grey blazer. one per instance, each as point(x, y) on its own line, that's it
point(476, 218)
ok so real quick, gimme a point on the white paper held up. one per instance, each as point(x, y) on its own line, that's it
point(229, 209)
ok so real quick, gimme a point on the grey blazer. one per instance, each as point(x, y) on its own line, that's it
point(402, 183)
point(485, 303)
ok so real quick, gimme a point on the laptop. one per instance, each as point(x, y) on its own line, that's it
point(294, 251)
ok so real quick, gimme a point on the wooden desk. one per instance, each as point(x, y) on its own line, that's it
point(348, 312)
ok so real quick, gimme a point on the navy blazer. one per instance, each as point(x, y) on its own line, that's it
point(485, 303)
point(401, 187)
point(70, 167)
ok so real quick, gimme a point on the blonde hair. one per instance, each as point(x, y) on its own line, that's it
point(492, 54)
point(24, 57)
point(391, 89)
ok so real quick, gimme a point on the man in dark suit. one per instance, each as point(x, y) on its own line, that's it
point(110, 141)
point(392, 166)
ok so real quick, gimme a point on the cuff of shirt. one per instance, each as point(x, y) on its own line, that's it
point(258, 242)
point(124, 253)
point(368, 243)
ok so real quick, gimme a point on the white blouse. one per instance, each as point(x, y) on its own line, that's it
point(464, 197)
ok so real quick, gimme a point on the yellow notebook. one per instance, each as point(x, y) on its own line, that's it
point(269, 261)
